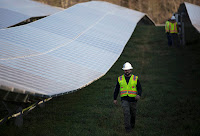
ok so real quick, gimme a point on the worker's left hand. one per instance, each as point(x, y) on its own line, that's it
point(137, 97)
point(115, 102)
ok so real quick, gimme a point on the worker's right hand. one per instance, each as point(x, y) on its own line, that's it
point(137, 97)
point(115, 102)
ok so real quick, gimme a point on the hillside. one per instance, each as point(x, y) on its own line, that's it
point(158, 10)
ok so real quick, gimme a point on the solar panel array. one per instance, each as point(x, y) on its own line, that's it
point(15, 11)
point(194, 14)
point(67, 50)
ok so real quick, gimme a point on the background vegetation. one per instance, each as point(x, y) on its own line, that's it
point(158, 10)
point(170, 103)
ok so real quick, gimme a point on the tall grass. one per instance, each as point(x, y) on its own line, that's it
point(170, 103)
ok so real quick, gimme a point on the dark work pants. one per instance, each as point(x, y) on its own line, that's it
point(175, 39)
point(169, 39)
point(129, 109)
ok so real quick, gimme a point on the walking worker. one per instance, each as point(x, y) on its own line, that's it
point(167, 32)
point(130, 91)
point(173, 29)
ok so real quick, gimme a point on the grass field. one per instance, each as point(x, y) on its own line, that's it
point(170, 103)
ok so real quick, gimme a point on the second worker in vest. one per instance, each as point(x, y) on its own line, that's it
point(130, 90)
point(167, 32)
point(173, 30)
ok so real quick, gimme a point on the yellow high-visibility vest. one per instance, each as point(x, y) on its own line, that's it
point(130, 88)
point(173, 27)
point(167, 26)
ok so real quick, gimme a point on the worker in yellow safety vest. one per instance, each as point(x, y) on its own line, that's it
point(167, 32)
point(129, 87)
point(173, 30)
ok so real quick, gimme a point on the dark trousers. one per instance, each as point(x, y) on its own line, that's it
point(129, 109)
point(175, 39)
point(169, 39)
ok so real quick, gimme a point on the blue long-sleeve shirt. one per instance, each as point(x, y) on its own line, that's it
point(130, 99)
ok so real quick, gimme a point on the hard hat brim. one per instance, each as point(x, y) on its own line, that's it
point(127, 68)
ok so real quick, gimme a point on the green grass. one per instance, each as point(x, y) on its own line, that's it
point(170, 103)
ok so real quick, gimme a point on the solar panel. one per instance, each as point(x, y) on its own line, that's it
point(9, 17)
point(194, 14)
point(67, 50)
point(15, 11)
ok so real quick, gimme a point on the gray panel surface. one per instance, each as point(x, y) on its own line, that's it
point(65, 51)
point(194, 14)
point(9, 17)
point(15, 11)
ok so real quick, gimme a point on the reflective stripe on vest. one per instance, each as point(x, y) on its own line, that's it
point(130, 89)
point(120, 78)
point(173, 27)
point(129, 92)
point(167, 26)
point(134, 77)
point(123, 92)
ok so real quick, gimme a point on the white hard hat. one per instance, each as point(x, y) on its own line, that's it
point(127, 66)
point(173, 18)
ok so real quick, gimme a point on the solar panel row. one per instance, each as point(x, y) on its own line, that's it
point(65, 51)
point(194, 14)
point(15, 11)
